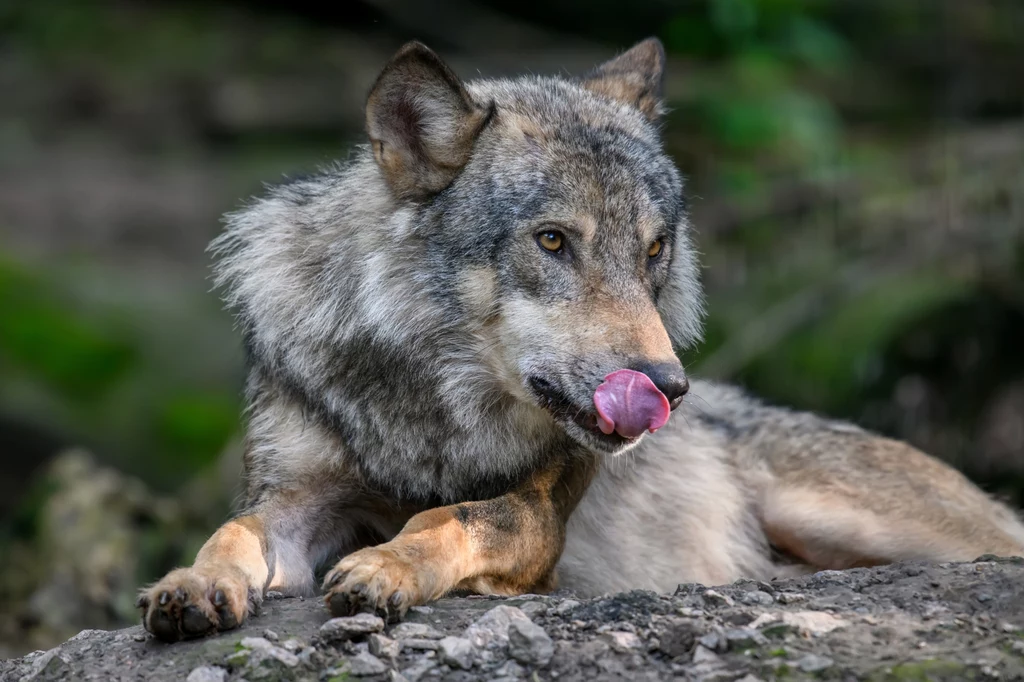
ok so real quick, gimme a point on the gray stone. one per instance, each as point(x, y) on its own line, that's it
point(744, 638)
point(623, 642)
point(414, 672)
point(812, 663)
point(791, 597)
point(365, 664)
point(533, 608)
point(457, 652)
point(292, 644)
point(351, 627)
point(491, 629)
point(417, 644)
point(310, 657)
point(529, 644)
point(565, 607)
point(414, 631)
point(270, 635)
point(701, 654)
point(713, 641)
point(260, 656)
point(713, 598)
point(509, 670)
point(207, 673)
point(46, 667)
point(386, 647)
point(757, 598)
point(678, 637)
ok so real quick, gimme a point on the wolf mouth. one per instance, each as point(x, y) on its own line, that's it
point(565, 410)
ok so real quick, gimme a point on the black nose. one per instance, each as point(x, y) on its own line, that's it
point(670, 380)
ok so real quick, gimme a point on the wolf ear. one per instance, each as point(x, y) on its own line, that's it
point(634, 77)
point(421, 122)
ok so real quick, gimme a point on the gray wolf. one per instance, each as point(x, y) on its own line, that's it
point(463, 346)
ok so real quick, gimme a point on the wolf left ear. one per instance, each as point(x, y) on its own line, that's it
point(634, 77)
point(422, 122)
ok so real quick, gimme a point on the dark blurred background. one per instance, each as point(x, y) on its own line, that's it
point(856, 175)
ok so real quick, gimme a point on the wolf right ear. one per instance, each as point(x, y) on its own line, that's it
point(422, 122)
point(634, 77)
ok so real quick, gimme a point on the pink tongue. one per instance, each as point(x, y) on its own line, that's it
point(629, 404)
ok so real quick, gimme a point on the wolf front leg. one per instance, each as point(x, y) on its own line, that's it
point(218, 591)
point(507, 545)
point(271, 546)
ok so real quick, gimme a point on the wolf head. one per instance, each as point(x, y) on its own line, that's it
point(567, 220)
point(506, 263)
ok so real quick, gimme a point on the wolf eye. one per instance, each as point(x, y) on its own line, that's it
point(655, 249)
point(550, 240)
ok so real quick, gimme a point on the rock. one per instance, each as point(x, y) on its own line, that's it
point(756, 598)
point(713, 641)
point(270, 635)
point(565, 607)
point(414, 631)
point(623, 642)
point(678, 638)
point(414, 672)
point(384, 646)
point(714, 598)
point(293, 645)
point(366, 664)
point(491, 629)
point(419, 644)
point(701, 654)
point(812, 663)
point(851, 625)
point(48, 666)
point(744, 638)
point(263, 660)
point(310, 657)
point(207, 673)
point(510, 670)
point(422, 610)
point(533, 608)
point(529, 644)
point(790, 597)
point(457, 652)
point(351, 627)
point(806, 623)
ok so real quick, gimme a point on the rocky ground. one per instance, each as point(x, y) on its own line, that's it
point(907, 621)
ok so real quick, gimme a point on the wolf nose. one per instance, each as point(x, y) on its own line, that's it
point(669, 379)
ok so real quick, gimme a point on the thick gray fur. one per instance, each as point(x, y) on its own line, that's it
point(391, 339)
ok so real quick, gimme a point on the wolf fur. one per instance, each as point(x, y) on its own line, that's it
point(422, 376)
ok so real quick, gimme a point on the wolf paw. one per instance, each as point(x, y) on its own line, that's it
point(190, 603)
point(374, 579)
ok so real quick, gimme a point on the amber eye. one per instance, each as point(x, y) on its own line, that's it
point(654, 249)
point(550, 240)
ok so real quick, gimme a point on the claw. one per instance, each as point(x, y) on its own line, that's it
point(332, 579)
point(219, 598)
point(165, 597)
